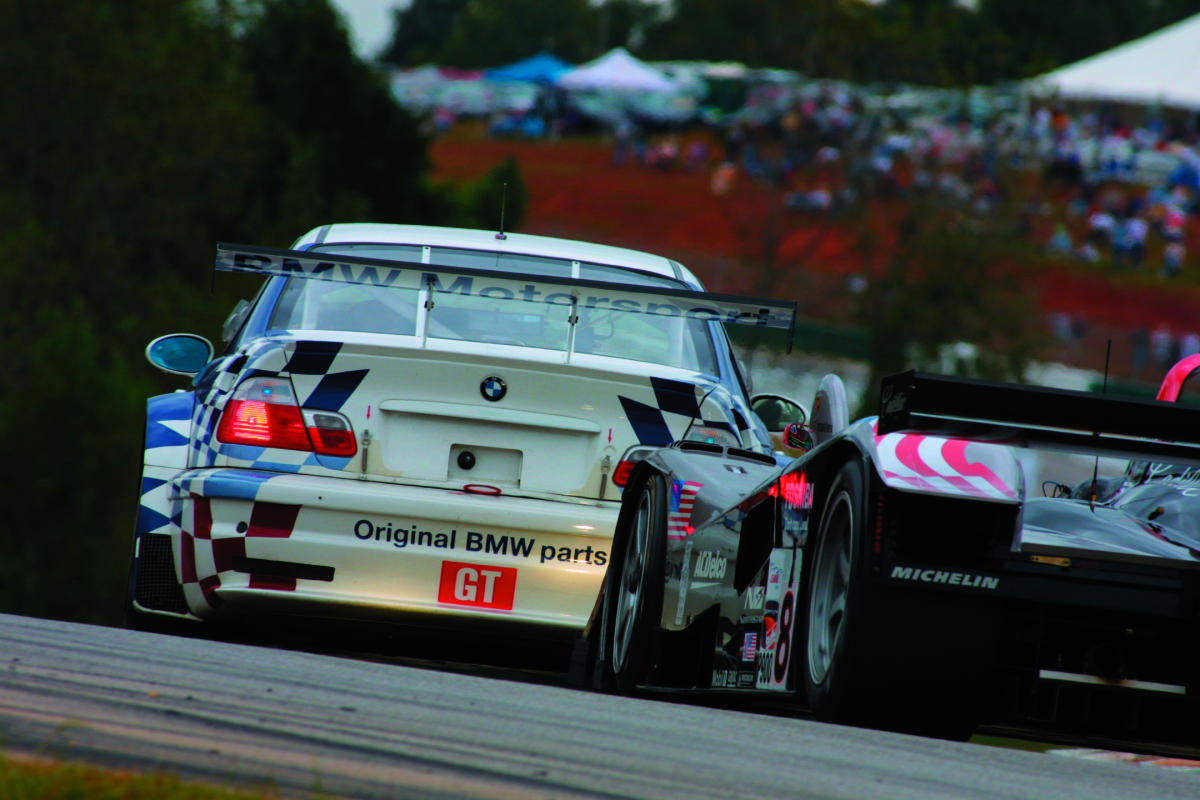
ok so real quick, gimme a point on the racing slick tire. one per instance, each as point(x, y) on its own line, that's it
point(635, 595)
point(886, 657)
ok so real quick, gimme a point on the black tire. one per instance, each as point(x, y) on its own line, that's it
point(887, 657)
point(634, 596)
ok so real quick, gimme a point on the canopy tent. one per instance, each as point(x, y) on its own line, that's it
point(543, 68)
point(1163, 67)
point(617, 70)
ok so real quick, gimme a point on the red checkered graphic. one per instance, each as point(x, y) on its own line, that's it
point(679, 517)
point(203, 558)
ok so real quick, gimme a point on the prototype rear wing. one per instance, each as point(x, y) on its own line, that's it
point(1039, 418)
point(578, 293)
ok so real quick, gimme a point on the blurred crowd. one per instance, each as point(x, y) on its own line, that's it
point(1111, 193)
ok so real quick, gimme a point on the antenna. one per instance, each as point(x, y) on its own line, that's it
point(503, 201)
point(1103, 390)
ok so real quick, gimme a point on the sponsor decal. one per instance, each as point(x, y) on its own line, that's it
point(728, 678)
point(893, 401)
point(745, 680)
point(779, 614)
point(476, 542)
point(756, 598)
point(710, 565)
point(597, 295)
point(948, 578)
point(684, 577)
point(750, 646)
point(679, 513)
point(578, 555)
point(477, 585)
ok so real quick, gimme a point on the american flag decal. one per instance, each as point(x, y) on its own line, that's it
point(683, 496)
point(750, 647)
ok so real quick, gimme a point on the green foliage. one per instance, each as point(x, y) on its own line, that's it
point(337, 147)
point(494, 32)
point(932, 42)
point(420, 30)
point(947, 304)
point(138, 134)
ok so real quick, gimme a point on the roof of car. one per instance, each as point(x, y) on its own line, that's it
point(516, 243)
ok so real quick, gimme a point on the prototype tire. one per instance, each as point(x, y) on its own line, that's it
point(634, 596)
point(886, 657)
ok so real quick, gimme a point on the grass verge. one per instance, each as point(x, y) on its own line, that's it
point(44, 779)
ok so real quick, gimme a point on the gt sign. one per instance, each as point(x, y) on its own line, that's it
point(477, 585)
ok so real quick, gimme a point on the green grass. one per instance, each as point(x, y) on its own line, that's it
point(45, 779)
point(1014, 744)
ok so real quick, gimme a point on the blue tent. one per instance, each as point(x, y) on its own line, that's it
point(542, 68)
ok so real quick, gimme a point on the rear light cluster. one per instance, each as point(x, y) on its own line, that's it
point(625, 466)
point(263, 412)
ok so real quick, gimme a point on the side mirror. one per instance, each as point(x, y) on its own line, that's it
point(777, 411)
point(180, 353)
point(798, 437)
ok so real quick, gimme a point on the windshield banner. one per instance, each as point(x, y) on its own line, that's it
point(488, 284)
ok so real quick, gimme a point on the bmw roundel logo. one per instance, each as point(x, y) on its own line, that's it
point(493, 388)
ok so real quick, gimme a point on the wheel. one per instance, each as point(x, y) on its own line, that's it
point(881, 656)
point(634, 596)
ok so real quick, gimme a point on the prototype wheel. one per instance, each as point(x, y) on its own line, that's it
point(634, 597)
point(887, 657)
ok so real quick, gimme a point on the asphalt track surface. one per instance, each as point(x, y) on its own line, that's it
point(306, 723)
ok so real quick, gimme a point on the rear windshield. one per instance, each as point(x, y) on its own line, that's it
point(671, 341)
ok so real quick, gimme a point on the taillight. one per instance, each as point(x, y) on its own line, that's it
point(625, 466)
point(330, 432)
point(263, 412)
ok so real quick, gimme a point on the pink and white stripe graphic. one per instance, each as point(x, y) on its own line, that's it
point(679, 517)
point(949, 466)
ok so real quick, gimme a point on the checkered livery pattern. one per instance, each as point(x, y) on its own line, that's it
point(680, 405)
point(207, 551)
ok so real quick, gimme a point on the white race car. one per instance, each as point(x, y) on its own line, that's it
point(426, 426)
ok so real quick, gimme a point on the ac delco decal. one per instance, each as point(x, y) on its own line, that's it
point(477, 585)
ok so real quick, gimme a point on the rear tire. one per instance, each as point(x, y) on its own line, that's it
point(881, 656)
point(634, 596)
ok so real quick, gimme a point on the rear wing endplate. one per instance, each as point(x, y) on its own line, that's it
point(1039, 418)
point(578, 293)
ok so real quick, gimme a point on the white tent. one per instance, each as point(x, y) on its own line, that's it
point(617, 70)
point(1163, 67)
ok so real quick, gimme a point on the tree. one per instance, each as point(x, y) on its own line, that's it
point(420, 30)
point(494, 32)
point(945, 303)
point(337, 146)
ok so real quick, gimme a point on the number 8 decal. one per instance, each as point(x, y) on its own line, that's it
point(783, 650)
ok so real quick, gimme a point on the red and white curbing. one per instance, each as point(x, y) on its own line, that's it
point(1174, 764)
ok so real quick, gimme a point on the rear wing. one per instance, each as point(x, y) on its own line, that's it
point(578, 293)
point(1039, 418)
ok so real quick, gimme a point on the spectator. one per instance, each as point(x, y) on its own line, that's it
point(1173, 255)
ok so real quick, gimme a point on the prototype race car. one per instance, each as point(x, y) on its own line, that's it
point(896, 576)
point(428, 426)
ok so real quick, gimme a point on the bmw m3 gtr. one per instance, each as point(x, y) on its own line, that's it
point(426, 426)
point(896, 575)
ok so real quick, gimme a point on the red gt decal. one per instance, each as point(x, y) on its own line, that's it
point(477, 585)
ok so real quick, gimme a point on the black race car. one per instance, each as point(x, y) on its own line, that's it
point(896, 576)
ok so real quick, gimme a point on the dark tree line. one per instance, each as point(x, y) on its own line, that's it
point(933, 42)
point(136, 135)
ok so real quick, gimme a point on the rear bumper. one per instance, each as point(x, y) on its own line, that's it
point(250, 542)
